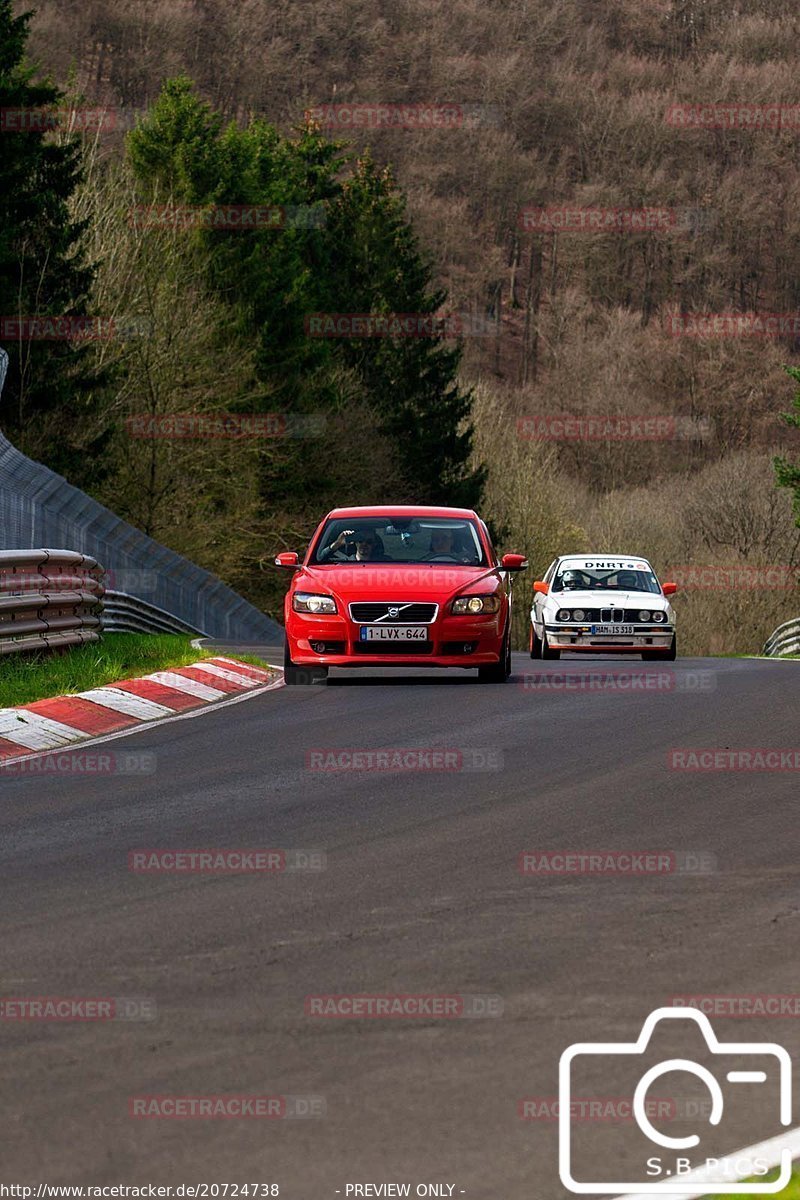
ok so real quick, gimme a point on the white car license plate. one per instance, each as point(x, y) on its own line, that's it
point(394, 633)
point(625, 630)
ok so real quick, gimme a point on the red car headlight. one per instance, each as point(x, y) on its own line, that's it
point(470, 606)
point(310, 602)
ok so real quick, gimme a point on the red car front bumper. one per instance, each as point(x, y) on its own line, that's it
point(451, 642)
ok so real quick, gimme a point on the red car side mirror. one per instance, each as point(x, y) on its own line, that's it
point(514, 562)
point(539, 586)
point(669, 589)
point(288, 559)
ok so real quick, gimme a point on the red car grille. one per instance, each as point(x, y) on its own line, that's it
point(407, 614)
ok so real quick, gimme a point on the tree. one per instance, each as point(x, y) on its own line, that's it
point(42, 272)
point(787, 473)
point(363, 257)
point(175, 151)
point(377, 267)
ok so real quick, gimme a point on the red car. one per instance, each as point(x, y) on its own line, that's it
point(399, 586)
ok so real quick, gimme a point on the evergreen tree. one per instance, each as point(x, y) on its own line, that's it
point(377, 267)
point(175, 151)
point(49, 383)
point(363, 258)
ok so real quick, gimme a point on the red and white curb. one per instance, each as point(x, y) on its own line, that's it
point(111, 711)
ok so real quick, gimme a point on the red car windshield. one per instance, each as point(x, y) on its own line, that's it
point(400, 540)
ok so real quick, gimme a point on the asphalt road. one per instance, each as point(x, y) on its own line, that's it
point(422, 894)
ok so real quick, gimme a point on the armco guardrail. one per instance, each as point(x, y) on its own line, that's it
point(39, 508)
point(127, 614)
point(48, 599)
point(785, 640)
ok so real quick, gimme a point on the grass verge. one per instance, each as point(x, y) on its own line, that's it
point(28, 677)
point(790, 1192)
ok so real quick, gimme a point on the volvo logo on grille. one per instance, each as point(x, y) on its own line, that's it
point(377, 612)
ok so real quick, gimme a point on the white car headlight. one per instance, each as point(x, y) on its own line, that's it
point(644, 615)
point(564, 614)
point(659, 616)
point(471, 605)
point(578, 614)
point(311, 603)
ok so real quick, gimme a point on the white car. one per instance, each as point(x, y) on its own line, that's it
point(602, 604)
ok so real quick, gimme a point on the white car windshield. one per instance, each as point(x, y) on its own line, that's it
point(573, 578)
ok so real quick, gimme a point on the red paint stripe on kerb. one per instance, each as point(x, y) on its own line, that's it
point(150, 689)
point(242, 668)
point(82, 714)
point(12, 750)
point(215, 681)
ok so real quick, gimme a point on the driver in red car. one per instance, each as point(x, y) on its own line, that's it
point(442, 543)
point(368, 546)
point(445, 543)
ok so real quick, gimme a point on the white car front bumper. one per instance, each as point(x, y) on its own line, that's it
point(569, 636)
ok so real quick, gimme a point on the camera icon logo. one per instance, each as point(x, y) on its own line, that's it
point(770, 1061)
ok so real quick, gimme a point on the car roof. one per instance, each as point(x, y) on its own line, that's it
point(592, 554)
point(401, 510)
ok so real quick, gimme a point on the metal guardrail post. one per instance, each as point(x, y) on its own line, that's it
point(785, 640)
point(130, 614)
point(48, 599)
